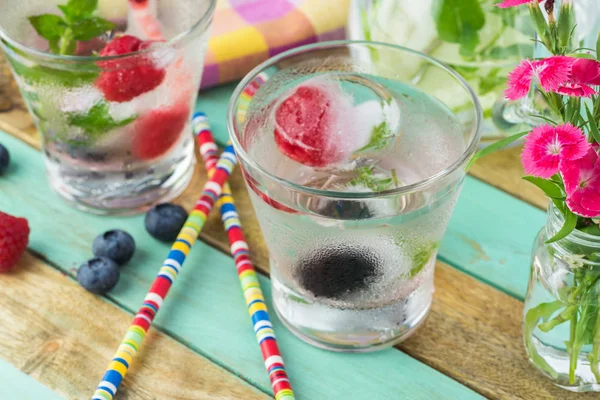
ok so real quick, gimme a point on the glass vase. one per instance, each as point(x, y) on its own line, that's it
point(562, 309)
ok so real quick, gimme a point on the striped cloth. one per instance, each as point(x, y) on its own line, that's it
point(246, 32)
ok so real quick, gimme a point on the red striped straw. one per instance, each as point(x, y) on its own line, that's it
point(246, 272)
point(144, 16)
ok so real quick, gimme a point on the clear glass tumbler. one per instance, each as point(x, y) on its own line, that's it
point(115, 127)
point(352, 223)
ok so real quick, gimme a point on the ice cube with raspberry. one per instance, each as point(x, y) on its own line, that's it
point(123, 79)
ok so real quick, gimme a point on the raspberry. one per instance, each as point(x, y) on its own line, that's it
point(123, 80)
point(303, 125)
point(14, 236)
point(157, 131)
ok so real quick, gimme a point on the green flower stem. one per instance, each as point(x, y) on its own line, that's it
point(573, 352)
point(594, 356)
point(564, 316)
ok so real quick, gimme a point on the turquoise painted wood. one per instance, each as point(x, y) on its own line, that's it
point(489, 237)
point(205, 309)
point(17, 385)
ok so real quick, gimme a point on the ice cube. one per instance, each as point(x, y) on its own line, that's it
point(79, 100)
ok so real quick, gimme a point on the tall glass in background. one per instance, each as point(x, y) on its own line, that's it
point(353, 243)
point(112, 154)
point(480, 41)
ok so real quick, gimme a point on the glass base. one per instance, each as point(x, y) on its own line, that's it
point(347, 330)
point(133, 196)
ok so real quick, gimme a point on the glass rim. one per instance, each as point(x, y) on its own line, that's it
point(414, 187)
point(86, 59)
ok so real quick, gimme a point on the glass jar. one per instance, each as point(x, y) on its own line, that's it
point(562, 309)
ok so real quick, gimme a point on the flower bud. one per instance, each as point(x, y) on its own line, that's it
point(540, 24)
point(566, 22)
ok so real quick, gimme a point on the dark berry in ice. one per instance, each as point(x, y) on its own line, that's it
point(345, 209)
point(4, 159)
point(116, 244)
point(304, 124)
point(336, 272)
point(124, 79)
point(157, 131)
point(164, 221)
point(98, 275)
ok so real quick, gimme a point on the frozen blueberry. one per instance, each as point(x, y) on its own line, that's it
point(340, 209)
point(4, 159)
point(164, 221)
point(336, 272)
point(117, 245)
point(98, 275)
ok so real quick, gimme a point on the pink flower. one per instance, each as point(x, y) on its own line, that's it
point(546, 146)
point(514, 3)
point(582, 184)
point(552, 73)
point(584, 73)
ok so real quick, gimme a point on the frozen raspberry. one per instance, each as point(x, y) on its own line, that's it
point(304, 123)
point(14, 236)
point(157, 131)
point(123, 80)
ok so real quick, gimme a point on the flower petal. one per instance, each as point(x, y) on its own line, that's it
point(585, 72)
point(554, 71)
point(575, 90)
point(514, 3)
point(519, 80)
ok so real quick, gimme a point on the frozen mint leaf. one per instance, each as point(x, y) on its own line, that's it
point(97, 120)
point(422, 256)
point(48, 26)
point(379, 138)
point(458, 20)
point(89, 28)
point(39, 74)
point(367, 178)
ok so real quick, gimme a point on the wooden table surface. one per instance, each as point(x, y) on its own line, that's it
point(56, 339)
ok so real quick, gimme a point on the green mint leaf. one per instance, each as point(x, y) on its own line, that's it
point(366, 177)
point(551, 189)
point(495, 146)
point(42, 75)
point(75, 9)
point(454, 17)
point(89, 28)
point(568, 227)
point(97, 121)
point(422, 256)
point(48, 26)
point(380, 137)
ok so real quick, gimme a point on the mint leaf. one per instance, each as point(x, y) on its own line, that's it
point(379, 138)
point(40, 74)
point(455, 18)
point(87, 29)
point(97, 120)
point(422, 256)
point(49, 26)
point(366, 177)
point(75, 9)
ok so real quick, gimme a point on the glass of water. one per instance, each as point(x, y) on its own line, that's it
point(354, 172)
point(112, 108)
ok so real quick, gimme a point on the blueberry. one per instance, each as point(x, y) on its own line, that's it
point(117, 245)
point(335, 272)
point(4, 159)
point(164, 221)
point(98, 275)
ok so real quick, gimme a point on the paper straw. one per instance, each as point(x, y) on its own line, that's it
point(246, 272)
point(143, 12)
point(168, 272)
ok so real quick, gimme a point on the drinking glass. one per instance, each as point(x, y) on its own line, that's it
point(352, 254)
point(110, 145)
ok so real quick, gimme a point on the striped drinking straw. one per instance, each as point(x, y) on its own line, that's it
point(132, 341)
point(246, 272)
point(143, 13)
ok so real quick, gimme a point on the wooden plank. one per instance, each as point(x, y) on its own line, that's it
point(60, 335)
point(205, 309)
point(17, 385)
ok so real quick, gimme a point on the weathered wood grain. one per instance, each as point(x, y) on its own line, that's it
point(64, 337)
